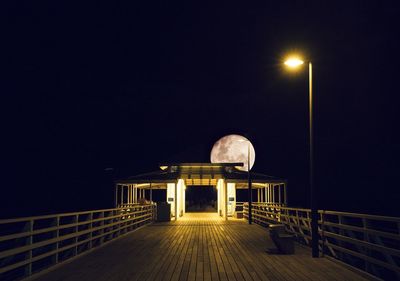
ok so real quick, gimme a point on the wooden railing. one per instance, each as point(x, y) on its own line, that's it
point(368, 242)
point(30, 245)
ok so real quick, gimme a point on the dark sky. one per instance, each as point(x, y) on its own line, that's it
point(88, 86)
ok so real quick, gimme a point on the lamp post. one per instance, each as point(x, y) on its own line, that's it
point(294, 63)
point(249, 182)
point(250, 194)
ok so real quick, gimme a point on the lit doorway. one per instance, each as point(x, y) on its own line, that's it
point(201, 198)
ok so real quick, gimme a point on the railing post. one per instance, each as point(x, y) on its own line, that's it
point(367, 266)
point(57, 224)
point(341, 232)
point(91, 231)
point(29, 241)
point(322, 214)
point(76, 220)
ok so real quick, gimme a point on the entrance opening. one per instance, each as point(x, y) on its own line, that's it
point(201, 198)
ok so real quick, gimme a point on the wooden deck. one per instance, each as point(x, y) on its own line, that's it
point(197, 247)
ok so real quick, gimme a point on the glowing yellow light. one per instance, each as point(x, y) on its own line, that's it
point(163, 167)
point(293, 62)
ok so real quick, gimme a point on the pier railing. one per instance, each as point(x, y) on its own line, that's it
point(368, 242)
point(32, 244)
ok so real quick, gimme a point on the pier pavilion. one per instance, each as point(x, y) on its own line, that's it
point(225, 177)
point(198, 246)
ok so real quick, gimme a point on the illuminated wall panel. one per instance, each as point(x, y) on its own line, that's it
point(231, 198)
point(171, 196)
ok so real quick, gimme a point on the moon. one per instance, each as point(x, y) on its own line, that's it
point(233, 149)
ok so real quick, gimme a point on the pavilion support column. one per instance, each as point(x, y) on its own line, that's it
point(225, 186)
point(184, 198)
point(220, 199)
point(122, 195)
point(135, 194)
point(285, 193)
point(273, 193)
point(176, 201)
point(265, 194)
point(151, 193)
point(271, 200)
point(116, 196)
point(280, 195)
point(262, 195)
point(129, 194)
point(128, 199)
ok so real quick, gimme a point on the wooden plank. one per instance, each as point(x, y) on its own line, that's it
point(180, 260)
point(161, 267)
point(198, 247)
point(211, 256)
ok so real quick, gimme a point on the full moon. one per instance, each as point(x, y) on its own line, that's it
point(233, 149)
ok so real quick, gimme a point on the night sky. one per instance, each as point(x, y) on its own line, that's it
point(90, 86)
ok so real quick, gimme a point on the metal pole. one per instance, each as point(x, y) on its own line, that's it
point(249, 181)
point(314, 212)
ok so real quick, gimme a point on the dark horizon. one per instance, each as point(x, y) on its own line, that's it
point(90, 87)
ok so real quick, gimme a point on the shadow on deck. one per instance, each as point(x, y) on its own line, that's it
point(199, 246)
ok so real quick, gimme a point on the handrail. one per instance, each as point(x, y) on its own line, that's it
point(32, 244)
point(368, 242)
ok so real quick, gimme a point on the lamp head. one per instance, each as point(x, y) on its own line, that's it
point(293, 62)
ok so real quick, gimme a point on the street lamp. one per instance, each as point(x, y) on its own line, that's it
point(249, 182)
point(294, 62)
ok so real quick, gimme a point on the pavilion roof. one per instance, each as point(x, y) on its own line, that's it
point(199, 174)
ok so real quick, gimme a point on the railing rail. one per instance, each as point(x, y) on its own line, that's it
point(32, 244)
point(369, 242)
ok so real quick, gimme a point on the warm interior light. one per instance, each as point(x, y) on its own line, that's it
point(163, 167)
point(293, 62)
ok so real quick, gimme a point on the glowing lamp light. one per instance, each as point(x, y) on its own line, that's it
point(293, 62)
